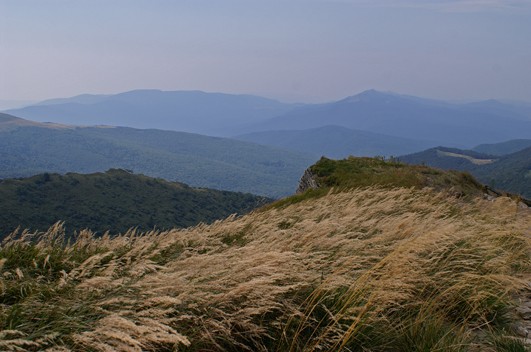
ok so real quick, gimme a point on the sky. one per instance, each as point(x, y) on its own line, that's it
point(291, 50)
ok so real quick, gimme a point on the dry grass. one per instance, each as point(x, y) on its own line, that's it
point(368, 269)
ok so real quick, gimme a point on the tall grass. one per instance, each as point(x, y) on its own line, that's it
point(368, 269)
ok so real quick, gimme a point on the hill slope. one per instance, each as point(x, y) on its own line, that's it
point(370, 268)
point(113, 201)
point(410, 117)
point(511, 173)
point(449, 158)
point(213, 114)
point(197, 160)
point(503, 148)
point(9, 123)
point(337, 142)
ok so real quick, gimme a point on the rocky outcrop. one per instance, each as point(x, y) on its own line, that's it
point(308, 181)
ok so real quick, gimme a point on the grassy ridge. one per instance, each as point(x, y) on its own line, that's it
point(358, 172)
point(362, 172)
point(113, 201)
point(370, 269)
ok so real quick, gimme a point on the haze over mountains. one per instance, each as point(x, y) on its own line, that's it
point(438, 122)
point(414, 118)
point(214, 114)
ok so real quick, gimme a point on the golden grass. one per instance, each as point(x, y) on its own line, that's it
point(368, 269)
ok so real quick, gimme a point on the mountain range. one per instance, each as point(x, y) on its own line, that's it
point(213, 114)
point(272, 142)
point(461, 125)
point(28, 148)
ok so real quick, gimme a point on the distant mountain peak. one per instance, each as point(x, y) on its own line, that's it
point(369, 95)
point(371, 92)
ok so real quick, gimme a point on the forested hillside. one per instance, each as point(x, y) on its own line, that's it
point(113, 201)
point(197, 160)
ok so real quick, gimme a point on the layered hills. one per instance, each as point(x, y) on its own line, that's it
point(337, 142)
point(459, 125)
point(113, 202)
point(28, 148)
point(417, 120)
point(368, 261)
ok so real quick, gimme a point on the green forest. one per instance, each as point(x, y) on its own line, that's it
point(114, 201)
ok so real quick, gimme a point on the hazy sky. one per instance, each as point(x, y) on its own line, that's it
point(293, 50)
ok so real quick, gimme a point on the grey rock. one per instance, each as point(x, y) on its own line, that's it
point(307, 181)
point(488, 197)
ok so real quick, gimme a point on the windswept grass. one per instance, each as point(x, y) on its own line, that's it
point(362, 172)
point(371, 269)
